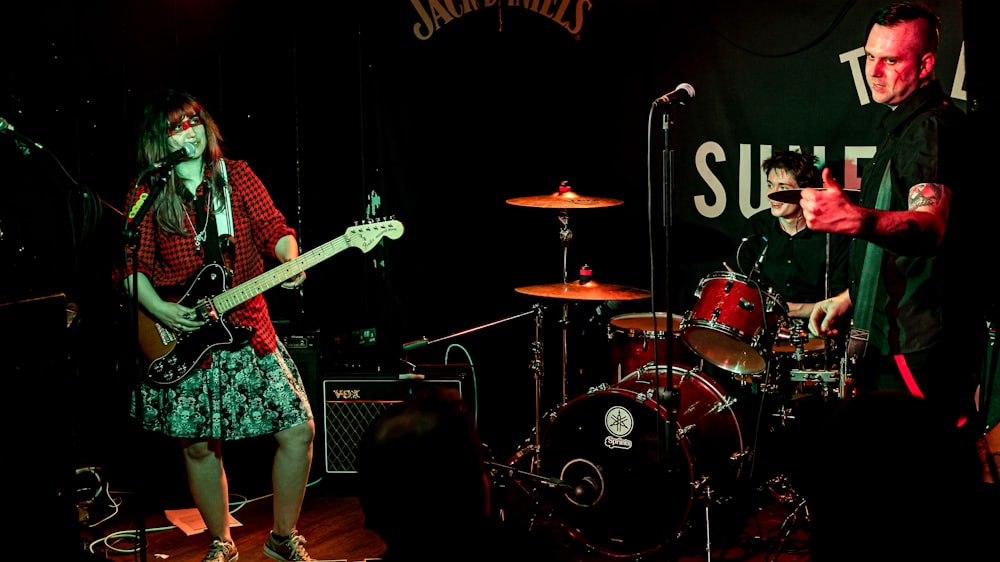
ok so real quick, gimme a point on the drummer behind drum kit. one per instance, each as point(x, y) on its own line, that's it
point(621, 467)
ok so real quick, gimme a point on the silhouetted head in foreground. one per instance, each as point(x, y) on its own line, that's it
point(424, 487)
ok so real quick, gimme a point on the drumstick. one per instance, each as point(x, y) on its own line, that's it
point(729, 269)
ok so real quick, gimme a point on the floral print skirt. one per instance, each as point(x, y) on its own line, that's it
point(240, 395)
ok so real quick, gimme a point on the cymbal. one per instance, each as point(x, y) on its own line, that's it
point(590, 291)
point(564, 200)
point(795, 195)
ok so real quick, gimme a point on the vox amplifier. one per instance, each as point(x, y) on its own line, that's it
point(351, 403)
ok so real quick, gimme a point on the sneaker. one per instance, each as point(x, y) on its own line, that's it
point(221, 551)
point(293, 548)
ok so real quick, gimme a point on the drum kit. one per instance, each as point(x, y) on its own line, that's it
point(660, 432)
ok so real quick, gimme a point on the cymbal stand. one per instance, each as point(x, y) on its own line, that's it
point(538, 368)
point(533, 444)
point(702, 482)
point(565, 235)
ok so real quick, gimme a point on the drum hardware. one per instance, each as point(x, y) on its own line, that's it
point(829, 381)
point(537, 362)
point(784, 413)
point(538, 369)
point(786, 495)
point(587, 289)
point(823, 377)
point(795, 335)
point(416, 344)
point(503, 476)
point(503, 473)
point(739, 458)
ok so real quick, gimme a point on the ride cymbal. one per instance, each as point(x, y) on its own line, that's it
point(590, 291)
point(795, 195)
point(564, 200)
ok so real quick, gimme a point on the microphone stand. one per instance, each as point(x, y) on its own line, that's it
point(671, 397)
point(131, 237)
point(673, 393)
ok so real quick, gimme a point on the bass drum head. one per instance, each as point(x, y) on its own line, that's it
point(628, 490)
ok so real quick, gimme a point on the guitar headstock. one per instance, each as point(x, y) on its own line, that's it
point(366, 235)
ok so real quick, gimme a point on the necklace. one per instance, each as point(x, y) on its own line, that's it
point(794, 229)
point(199, 237)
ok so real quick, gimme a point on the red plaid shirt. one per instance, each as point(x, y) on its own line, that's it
point(171, 261)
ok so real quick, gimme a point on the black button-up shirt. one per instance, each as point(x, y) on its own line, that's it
point(918, 298)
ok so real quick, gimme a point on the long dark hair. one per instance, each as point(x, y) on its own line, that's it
point(164, 111)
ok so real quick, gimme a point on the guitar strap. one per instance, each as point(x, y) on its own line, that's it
point(212, 252)
point(861, 323)
point(220, 245)
point(224, 216)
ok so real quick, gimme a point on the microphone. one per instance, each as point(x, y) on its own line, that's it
point(760, 261)
point(5, 126)
point(184, 152)
point(684, 93)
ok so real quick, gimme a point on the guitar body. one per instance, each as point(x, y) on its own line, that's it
point(172, 355)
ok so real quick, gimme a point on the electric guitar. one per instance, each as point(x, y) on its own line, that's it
point(170, 355)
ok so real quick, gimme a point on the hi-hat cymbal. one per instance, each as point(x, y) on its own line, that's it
point(795, 195)
point(564, 200)
point(590, 291)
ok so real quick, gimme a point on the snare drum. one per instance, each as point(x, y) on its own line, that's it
point(636, 342)
point(809, 355)
point(732, 323)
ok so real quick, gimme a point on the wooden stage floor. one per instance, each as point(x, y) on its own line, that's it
point(333, 523)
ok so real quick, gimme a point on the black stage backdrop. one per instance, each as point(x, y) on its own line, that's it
point(437, 112)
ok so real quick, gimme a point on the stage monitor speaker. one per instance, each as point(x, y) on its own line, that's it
point(351, 403)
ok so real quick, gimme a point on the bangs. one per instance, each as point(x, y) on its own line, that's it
point(183, 113)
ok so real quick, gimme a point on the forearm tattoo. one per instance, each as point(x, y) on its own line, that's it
point(924, 195)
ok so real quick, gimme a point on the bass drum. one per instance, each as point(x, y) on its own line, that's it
point(625, 489)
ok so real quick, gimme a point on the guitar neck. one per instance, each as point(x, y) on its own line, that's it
point(243, 292)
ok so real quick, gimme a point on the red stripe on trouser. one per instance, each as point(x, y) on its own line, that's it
point(911, 383)
point(904, 370)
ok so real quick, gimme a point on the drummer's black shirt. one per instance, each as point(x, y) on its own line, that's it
point(794, 267)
